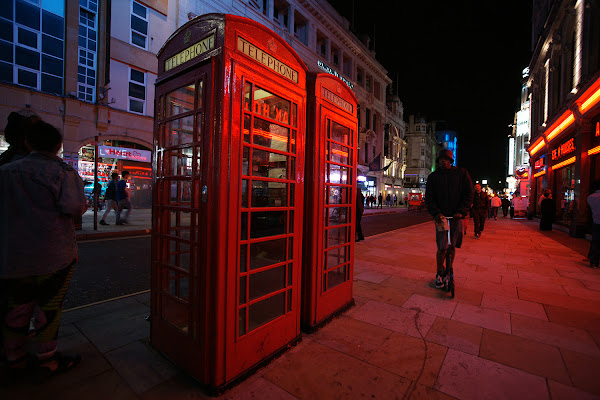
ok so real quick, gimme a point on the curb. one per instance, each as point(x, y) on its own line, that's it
point(81, 237)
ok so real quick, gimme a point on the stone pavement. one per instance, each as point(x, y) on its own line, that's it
point(525, 324)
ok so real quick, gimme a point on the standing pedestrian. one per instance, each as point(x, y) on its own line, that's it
point(548, 209)
point(39, 197)
point(406, 201)
point(110, 197)
point(479, 210)
point(380, 200)
point(505, 206)
point(388, 200)
point(594, 202)
point(360, 209)
point(123, 198)
point(395, 200)
point(14, 134)
point(449, 193)
point(496, 204)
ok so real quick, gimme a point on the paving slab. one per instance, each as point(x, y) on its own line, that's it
point(583, 369)
point(483, 317)
point(514, 306)
point(559, 391)
point(455, 335)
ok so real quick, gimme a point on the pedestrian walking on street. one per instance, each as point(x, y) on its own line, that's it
point(39, 197)
point(548, 209)
point(479, 210)
point(388, 200)
point(505, 206)
point(594, 202)
point(360, 209)
point(380, 200)
point(395, 200)
point(496, 204)
point(110, 198)
point(449, 192)
point(123, 198)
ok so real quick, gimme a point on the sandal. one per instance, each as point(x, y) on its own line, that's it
point(64, 363)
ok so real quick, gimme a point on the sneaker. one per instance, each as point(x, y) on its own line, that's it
point(438, 282)
point(102, 222)
point(477, 236)
point(593, 265)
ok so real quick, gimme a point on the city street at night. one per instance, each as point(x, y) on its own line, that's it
point(524, 324)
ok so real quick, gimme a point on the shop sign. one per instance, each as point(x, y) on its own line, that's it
point(597, 129)
point(195, 50)
point(539, 163)
point(266, 59)
point(330, 71)
point(565, 148)
point(125, 154)
point(337, 100)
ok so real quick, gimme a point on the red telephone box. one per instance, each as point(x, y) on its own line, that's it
point(330, 189)
point(228, 197)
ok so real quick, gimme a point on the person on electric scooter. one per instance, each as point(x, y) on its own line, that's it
point(449, 194)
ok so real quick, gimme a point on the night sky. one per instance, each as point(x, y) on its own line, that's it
point(460, 62)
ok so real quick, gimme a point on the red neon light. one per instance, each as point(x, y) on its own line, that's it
point(537, 147)
point(594, 150)
point(539, 173)
point(569, 118)
point(340, 152)
point(564, 163)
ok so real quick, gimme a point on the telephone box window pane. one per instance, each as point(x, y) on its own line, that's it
point(336, 257)
point(245, 193)
point(291, 219)
point(243, 290)
point(290, 248)
point(292, 198)
point(268, 223)
point(242, 322)
point(339, 133)
point(336, 236)
point(180, 131)
point(175, 313)
point(294, 116)
point(243, 257)
point(247, 96)
point(183, 292)
point(337, 277)
point(289, 275)
point(200, 91)
point(269, 165)
point(289, 300)
point(270, 135)
point(337, 215)
point(339, 154)
point(268, 194)
point(245, 158)
point(269, 105)
point(338, 195)
point(247, 128)
point(292, 169)
point(265, 282)
point(180, 162)
point(181, 100)
point(244, 226)
point(186, 191)
point(266, 311)
point(338, 174)
point(293, 142)
point(267, 253)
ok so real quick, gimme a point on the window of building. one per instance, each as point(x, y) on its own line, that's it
point(377, 89)
point(280, 12)
point(347, 67)
point(321, 44)
point(422, 151)
point(374, 121)
point(360, 74)
point(87, 51)
point(137, 91)
point(423, 140)
point(369, 84)
point(139, 25)
point(367, 118)
point(32, 45)
point(422, 164)
point(335, 55)
point(358, 114)
point(301, 27)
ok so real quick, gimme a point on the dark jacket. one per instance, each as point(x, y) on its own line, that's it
point(481, 202)
point(449, 191)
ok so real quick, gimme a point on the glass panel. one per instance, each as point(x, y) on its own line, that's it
point(186, 191)
point(139, 25)
point(267, 253)
point(175, 313)
point(245, 193)
point(243, 258)
point(247, 96)
point(52, 46)
point(26, 14)
point(180, 131)
point(139, 10)
point(265, 282)
point(180, 162)
point(243, 289)
point(245, 157)
point(339, 154)
point(244, 226)
point(247, 119)
point(242, 322)
point(336, 257)
point(200, 91)
point(292, 169)
point(294, 116)
point(270, 135)
point(137, 91)
point(181, 100)
point(293, 142)
point(337, 277)
point(338, 174)
point(336, 236)
point(338, 195)
point(339, 133)
point(267, 223)
point(269, 105)
point(136, 106)
point(138, 40)
point(266, 310)
point(269, 165)
point(337, 215)
point(52, 84)
point(268, 194)
point(27, 78)
point(289, 275)
point(289, 300)
point(27, 58)
point(28, 38)
point(291, 220)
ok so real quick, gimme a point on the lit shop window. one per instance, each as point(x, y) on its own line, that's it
point(137, 91)
point(32, 44)
point(139, 25)
point(87, 50)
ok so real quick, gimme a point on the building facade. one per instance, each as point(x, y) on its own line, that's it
point(422, 150)
point(564, 86)
point(518, 167)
